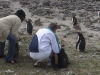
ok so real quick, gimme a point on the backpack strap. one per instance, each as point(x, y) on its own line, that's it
point(33, 47)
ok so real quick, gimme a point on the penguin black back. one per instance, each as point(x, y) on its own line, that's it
point(81, 42)
point(74, 21)
point(29, 27)
point(81, 36)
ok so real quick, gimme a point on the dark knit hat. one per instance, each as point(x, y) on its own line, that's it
point(20, 13)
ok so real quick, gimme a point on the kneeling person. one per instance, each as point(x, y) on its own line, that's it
point(44, 43)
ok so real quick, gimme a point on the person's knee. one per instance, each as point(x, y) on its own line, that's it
point(12, 38)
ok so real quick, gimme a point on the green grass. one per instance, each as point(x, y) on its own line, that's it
point(80, 63)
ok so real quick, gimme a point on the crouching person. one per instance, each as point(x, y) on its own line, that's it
point(9, 27)
point(44, 43)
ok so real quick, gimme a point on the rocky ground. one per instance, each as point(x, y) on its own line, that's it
point(61, 12)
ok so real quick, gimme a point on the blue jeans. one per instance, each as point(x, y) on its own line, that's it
point(11, 47)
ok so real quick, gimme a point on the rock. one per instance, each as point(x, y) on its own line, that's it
point(1, 7)
point(38, 22)
point(88, 23)
point(90, 35)
point(49, 17)
point(5, 4)
point(59, 27)
point(77, 27)
point(70, 73)
point(9, 71)
point(5, 12)
point(64, 36)
point(46, 3)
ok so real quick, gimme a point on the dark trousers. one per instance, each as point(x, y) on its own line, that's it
point(11, 47)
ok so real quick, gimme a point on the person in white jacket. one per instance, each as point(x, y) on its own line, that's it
point(44, 42)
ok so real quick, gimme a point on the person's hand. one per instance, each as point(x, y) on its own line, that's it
point(62, 45)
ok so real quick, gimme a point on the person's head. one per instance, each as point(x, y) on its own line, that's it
point(53, 27)
point(21, 14)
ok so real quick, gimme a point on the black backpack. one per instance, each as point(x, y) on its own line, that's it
point(62, 60)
